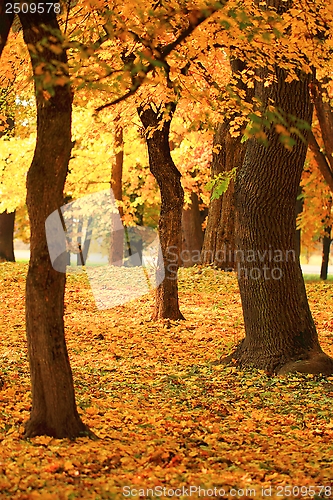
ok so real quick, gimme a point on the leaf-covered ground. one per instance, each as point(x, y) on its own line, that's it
point(171, 422)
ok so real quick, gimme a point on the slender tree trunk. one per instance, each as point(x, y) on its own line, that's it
point(321, 159)
point(117, 248)
point(280, 335)
point(192, 233)
point(325, 116)
point(327, 240)
point(299, 210)
point(172, 199)
point(54, 410)
point(209, 247)
point(7, 221)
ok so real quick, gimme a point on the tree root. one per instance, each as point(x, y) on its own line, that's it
point(317, 363)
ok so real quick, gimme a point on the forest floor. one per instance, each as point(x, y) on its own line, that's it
point(170, 422)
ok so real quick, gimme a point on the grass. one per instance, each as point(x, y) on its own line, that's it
point(167, 417)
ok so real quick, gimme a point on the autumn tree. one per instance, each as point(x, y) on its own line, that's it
point(53, 402)
point(324, 113)
point(116, 250)
point(157, 128)
point(7, 218)
point(280, 331)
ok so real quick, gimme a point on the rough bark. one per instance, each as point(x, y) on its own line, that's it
point(117, 248)
point(219, 241)
point(280, 335)
point(172, 198)
point(7, 221)
point(192, 234)
point(54, 410)
point(228, 152)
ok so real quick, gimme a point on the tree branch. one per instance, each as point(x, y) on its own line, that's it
point(196, 18)
point(321, 160)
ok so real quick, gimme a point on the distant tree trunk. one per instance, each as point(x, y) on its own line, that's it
point(7, 221)
point(54, 410)
point(324, 113)
point(299, 210)
point(327, 240)
point(117, 248)
point(172, 198)
point(219, 241)
point(192, 234)
point(322, 161)
point(280, 335)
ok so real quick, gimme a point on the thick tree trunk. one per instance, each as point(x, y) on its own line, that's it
point(219, 241)
point(117, 248)
point(54, 410)
point(192, 234)
point(280, 335)
point(7, 221)
point(172, 199)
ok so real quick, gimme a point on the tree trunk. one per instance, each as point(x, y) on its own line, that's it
point(7, 221)
point(219, 241)
point(321, 159)
point(117, 247)
point(299, 210)
point(326, 242)
point(326, 253)
point(280, 335)
point(325, 116)
point(192, 234)
point(172, 198)
point(54, 410)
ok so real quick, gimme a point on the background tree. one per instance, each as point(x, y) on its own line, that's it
point(228, 154)
point(157, 128)
point(280, 332)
